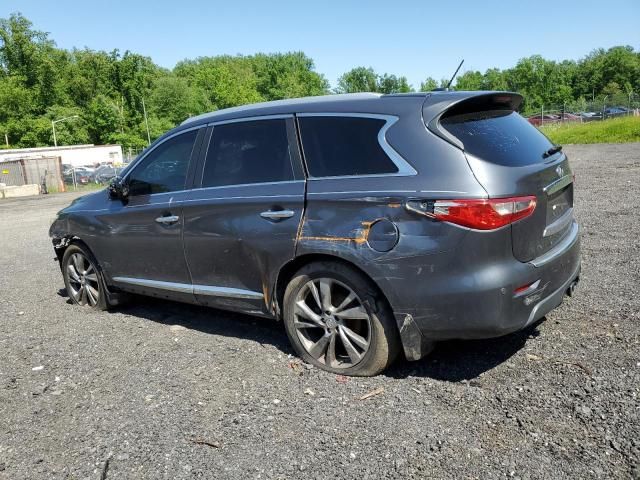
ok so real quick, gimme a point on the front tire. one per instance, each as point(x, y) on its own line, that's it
point(336, 319)
point(83, 279)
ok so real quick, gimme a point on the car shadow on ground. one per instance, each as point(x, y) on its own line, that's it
point(451, 361)
point(264, 331)
point(458, 360)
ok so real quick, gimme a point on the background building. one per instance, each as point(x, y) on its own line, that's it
point(73, 155)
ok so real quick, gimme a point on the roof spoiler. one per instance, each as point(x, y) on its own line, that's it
point(464, 102)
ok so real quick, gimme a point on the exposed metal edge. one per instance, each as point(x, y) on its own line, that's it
point(559, 249)
point(559, 224)
point(194, 289)
point(226, 292)
point(404, 168)
point(557, 185)
point(142, 282)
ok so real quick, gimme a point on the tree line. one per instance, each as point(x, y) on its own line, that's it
point(105, 95)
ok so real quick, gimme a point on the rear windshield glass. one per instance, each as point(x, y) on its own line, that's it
point(498, 136)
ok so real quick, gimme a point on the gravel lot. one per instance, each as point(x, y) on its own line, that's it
point(164, 390)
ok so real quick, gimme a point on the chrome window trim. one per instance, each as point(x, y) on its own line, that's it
point(388, 191)
point(250, 119)
point(240, 185)
point(404, 168)
point(247, 197)
point(193, 289)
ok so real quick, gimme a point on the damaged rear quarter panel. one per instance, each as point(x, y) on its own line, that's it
point(337, 222)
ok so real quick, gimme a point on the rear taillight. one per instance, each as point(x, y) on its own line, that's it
point(480, 214)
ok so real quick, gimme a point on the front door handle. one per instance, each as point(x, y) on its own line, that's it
point(168, 220)
point(277, 214)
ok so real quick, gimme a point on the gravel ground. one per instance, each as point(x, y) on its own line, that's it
point(163, 390)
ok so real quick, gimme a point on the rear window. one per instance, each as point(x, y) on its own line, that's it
point(340, 146)
point(498, 136)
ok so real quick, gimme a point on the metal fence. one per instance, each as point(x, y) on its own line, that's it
point(130, 153)
point(45, 171)
point(582, 110)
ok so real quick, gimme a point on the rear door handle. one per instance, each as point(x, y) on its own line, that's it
point(168, 220)
point(277, 214)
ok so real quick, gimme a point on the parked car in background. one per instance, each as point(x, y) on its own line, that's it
point(590, 116)
point(569, 117)
point(538, 120)
point(83, 175)
point(105, 173)
point(615, 112)
point(369, 224)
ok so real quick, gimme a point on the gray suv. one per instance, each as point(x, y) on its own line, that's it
point(369, 224)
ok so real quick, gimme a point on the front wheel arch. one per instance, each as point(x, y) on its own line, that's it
point(113, 298)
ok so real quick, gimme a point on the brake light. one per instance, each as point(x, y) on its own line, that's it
point(480, 214)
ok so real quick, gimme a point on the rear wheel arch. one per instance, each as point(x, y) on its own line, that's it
point(288, 270)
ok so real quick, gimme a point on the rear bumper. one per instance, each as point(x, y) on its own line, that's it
point(479, 301)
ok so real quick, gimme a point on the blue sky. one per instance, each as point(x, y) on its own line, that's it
point(412, 38)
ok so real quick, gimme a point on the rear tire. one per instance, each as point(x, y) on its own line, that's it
point(337, 320)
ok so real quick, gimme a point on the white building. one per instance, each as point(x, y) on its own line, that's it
point(75, 155)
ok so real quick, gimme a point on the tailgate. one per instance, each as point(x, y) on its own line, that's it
point(510, 157)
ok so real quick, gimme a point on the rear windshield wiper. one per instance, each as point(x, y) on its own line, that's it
point(552, 151)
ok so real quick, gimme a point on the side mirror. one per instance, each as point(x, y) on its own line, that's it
point(118, 189)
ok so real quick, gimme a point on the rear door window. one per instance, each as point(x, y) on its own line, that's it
point(498, 136)
point(248, 152)
point(344, 146)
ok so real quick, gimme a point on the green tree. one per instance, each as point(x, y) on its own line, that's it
point(359, 79)
point(470, 80)
point(173, 99)
point(228, 81)
point(428, 85)
point(287, 75)
point(392, 84)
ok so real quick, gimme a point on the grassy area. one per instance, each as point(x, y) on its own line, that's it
point(616, 130)
point(89, 187)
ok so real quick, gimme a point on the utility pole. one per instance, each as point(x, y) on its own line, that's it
point(146, 121)
point(53, 127)
point(6, 139)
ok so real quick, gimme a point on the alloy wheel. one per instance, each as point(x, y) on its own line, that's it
point(332, 323)
point(83, 280)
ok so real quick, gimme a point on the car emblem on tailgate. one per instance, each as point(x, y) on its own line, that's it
point(560, 171)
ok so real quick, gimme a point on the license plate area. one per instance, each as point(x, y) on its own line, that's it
point(559, 203)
